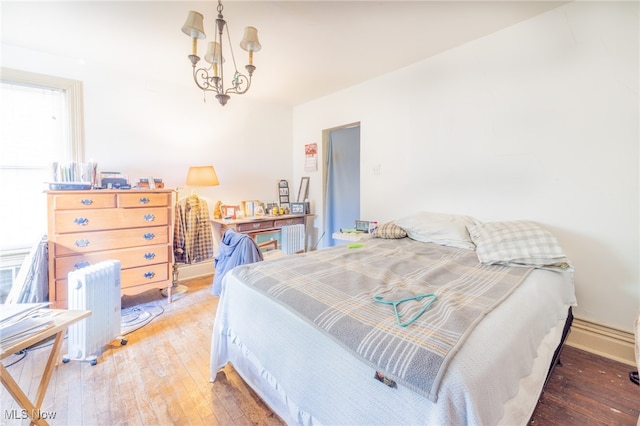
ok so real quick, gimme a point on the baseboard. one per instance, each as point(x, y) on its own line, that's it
point(195, 270)
point(604, 341)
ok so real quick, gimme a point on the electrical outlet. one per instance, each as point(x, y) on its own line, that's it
point(377, 169)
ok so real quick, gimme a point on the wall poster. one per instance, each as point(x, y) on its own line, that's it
point(311, 157)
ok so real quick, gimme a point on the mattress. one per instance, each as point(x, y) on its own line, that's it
point(307, 377)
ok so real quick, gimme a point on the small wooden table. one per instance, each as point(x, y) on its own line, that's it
point(260, 225)
point(62, 319)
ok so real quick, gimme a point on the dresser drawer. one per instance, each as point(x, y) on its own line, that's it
point(128, 278)
point(144, 275)
point(292, 221)
point(129, 258)
point(255, 226)
point(84, 200)
point(96, 220)
point(86, 242)
point(151, 199)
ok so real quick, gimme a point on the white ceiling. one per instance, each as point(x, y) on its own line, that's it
point(309, 48)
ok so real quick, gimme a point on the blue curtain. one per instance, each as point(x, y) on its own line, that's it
point(342, 206)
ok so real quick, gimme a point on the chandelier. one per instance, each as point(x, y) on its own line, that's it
point(210, 78)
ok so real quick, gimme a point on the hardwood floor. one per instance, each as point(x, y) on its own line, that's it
point(588, 390)
point(161, 377)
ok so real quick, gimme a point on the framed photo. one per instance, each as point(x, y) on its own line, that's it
point(303, 192)
point(251, 208)
point(271, 208)
point(229, 212)
point(283, 193)
point(297, 208)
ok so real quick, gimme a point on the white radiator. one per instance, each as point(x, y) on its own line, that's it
point(293, 238)
point(95, 288)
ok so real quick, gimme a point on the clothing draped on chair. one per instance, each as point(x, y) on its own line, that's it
point(193, 238)
point(235, 249)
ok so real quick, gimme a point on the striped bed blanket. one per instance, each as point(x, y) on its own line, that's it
point(334, 289)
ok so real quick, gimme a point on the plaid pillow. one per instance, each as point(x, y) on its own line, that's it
point(517, 243)
point(390, 231)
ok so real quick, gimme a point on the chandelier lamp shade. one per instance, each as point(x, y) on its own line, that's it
point(210, 77)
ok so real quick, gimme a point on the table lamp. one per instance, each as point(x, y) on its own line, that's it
point(202, 176)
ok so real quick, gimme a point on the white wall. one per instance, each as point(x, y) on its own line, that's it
point(142, 126)
point(538, 121)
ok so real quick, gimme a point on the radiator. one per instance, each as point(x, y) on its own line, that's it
point(95, 288)
point(293, 238)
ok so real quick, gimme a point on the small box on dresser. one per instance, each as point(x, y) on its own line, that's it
point(87, 227)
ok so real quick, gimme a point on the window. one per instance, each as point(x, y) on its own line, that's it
point(40, 122)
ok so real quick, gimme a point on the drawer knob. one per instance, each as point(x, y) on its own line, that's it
point(82, 221)
point(256, 225)
point(149, 236)
point(149, 275)
point(81, 264)
point(86, 201)
point(144, 200)
point(81, 243)
point(149, 217)
point(149, 256)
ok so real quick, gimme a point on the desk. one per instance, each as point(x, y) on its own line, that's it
point(61, 320)
point(263, 225)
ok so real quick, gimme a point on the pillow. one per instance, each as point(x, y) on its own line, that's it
point(390, 231)
point(517, 243)
point(439, 228)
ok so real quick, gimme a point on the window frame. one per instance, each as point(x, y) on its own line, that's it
point(74, 97)
point(12, 258)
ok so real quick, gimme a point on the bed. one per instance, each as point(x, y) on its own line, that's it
point(322, 337)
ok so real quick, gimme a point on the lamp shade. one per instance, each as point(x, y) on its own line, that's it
point(202, 176)
point(194, 26)
point(213, 53)
point(250, 41)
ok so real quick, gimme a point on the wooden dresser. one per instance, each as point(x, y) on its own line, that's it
point(133, 226)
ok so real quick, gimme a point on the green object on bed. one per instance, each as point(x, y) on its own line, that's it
point(380, 299)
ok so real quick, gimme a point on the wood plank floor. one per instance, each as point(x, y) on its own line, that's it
point(161, 377)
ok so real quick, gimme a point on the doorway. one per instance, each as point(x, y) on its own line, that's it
point(341, 180)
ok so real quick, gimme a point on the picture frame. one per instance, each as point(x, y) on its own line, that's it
point(283, 193)
point(229, 212)
point(303, 192)
point(251, 208)
point(297, 208)
point(271, 207)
